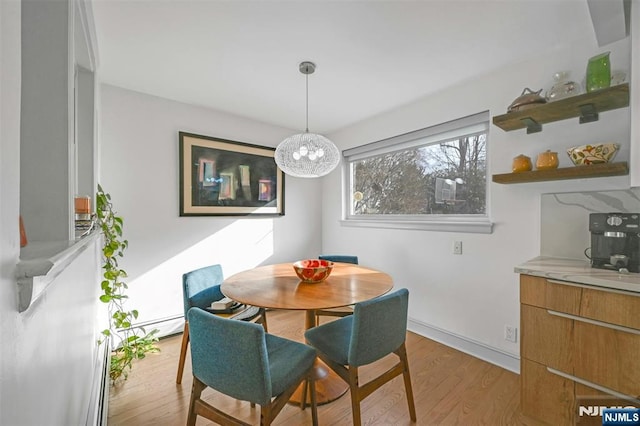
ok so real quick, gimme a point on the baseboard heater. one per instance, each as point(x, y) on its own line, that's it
point(99, 403)
point(98, 412)
point(166, 326)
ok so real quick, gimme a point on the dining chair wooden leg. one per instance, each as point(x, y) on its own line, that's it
point(196, 390)
point(354, 388)
point(266, 415)
point(263, 316)
point(402, 353)
point(311, 382)
point(183, 352)
point(303, 398)
point(198, 407)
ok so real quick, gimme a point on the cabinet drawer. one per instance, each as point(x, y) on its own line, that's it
point(609, 357)
point(537, 291)
point(556, 399)
point(546, 338)
point(588, 403)
point(546, 396)
point(611, 306)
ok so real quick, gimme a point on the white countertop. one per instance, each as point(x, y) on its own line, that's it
point(579, 271)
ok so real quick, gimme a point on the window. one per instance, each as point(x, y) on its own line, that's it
point(433, 178)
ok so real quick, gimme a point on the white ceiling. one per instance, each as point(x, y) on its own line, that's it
point(372, 56)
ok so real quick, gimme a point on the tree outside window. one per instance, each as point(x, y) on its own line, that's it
point(446, 177)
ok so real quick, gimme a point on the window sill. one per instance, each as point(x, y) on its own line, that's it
point(483, 226)
point(41, 262)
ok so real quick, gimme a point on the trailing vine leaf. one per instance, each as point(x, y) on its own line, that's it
point(133, 342)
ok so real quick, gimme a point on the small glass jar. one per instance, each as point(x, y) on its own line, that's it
point(563, 87)
point(547, 160)
point(618, 77)
point(521, 163)
point(82, 204)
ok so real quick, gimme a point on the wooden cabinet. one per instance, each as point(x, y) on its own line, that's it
point(576, 342)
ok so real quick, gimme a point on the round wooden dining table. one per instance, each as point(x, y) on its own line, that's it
point(278, 287)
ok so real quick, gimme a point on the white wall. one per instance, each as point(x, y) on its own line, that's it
point(470, 298)
point(565, 236)
point(47, 126)
point(48, 353)
point(139, 160)
point(9, 195)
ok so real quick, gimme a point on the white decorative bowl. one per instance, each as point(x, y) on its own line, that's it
point(593, 154)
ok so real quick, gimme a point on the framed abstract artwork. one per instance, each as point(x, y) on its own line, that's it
point(219, 177)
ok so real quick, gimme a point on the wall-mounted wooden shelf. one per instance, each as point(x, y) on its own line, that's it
point(575, 172)
point(586, 106)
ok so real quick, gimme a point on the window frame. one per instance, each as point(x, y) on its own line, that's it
point(468, 223)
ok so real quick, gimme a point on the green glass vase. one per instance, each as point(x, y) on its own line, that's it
point(598, 72)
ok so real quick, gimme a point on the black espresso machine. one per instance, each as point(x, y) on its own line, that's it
point(615, 242)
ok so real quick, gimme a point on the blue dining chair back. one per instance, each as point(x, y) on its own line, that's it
point(377, 328)
point(339, 258)
point(239, 359)
point(339, 312)
point(200, 288)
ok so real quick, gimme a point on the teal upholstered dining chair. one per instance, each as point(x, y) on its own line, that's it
point(344, 258)
point(240, 360)
point(200, 288)
point(377, 328)
point(338, 312)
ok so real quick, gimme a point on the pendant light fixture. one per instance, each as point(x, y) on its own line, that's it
point(307, 155)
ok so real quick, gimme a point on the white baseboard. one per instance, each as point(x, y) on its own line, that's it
point(167, 326)
point(170, 327)
point(479, 350)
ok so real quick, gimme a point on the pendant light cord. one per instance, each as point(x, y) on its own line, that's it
point(307, 79)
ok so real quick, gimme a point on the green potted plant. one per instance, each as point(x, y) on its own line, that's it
point(130, 343)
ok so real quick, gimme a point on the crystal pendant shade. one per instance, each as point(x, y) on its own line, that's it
point(307, 155)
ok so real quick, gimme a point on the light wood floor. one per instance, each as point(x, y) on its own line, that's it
point(450, 387)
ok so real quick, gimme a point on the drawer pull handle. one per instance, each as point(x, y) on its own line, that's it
point(571, 284)
point(594, 287)
point(593, 385)
point(594, 322)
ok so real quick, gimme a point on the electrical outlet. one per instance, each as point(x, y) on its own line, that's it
point(510, 333)
point(457, 247)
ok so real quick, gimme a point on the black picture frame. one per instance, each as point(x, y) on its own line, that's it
point(220, 177)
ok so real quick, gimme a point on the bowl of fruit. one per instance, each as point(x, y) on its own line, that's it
point(313, 270)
